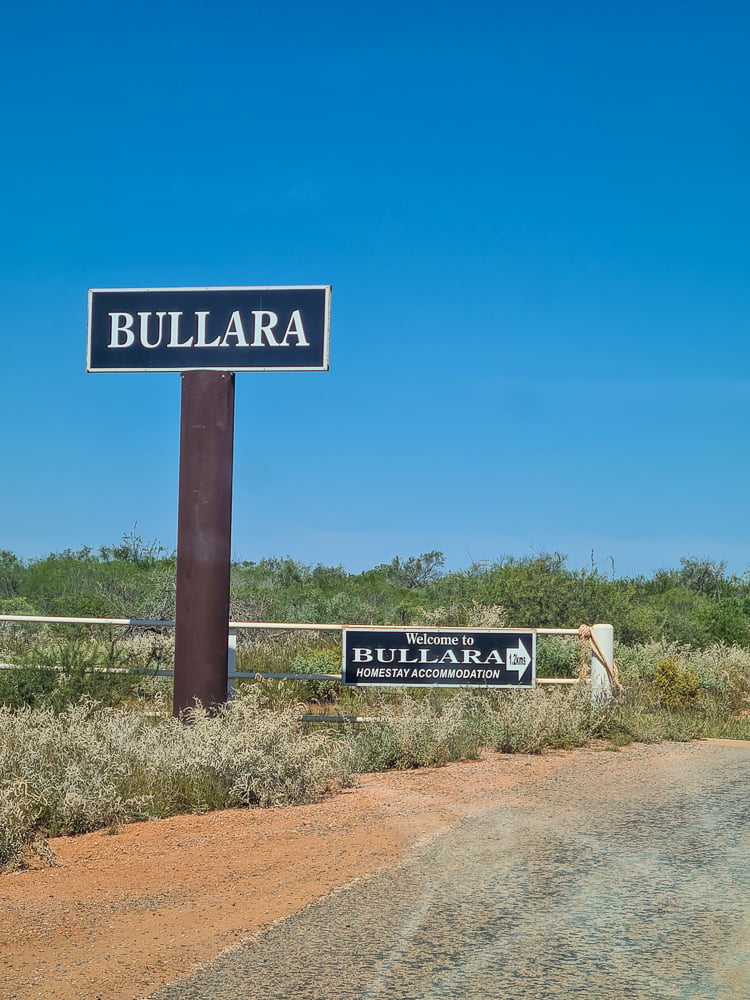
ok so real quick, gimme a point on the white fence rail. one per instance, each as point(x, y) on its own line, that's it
point(599, 669)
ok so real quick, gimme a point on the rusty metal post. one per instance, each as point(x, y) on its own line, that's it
point(204, 529)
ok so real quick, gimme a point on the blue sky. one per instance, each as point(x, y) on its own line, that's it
point(534, 217)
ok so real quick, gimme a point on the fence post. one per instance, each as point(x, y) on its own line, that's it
point(231, 662)
point(601, 684)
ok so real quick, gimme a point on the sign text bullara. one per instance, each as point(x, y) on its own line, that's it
point(226, 329)
point(439, 657)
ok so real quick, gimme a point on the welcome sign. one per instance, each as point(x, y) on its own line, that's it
point(439, 658)
point(243, 329)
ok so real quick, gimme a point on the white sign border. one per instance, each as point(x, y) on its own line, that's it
point(215, 288)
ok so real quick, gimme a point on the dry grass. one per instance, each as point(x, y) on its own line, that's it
point(442, 726)
point(90, 767)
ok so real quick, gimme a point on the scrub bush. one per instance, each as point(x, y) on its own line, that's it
point(557, 656)
point(418, 732)
point(88, 766)
point(532, 721)
point(676, 686)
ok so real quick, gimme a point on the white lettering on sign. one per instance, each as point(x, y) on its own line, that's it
point(264, 324)
point(200, 337)
point(235, 329)
point(144, 317)
point(295, 329)
point(461, 675)
point(122, 330)
point(423, 654)
point(160, 317)
point(121, 323)
point(384, 672)
point(436, 640)
point(428, 673)
point(174, 331)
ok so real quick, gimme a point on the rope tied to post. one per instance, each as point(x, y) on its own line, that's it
point(586, 635)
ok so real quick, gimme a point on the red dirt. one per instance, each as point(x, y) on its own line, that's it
point(125, 914)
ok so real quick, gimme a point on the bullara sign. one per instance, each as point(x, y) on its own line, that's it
point(206, 334)
point(439, 658)
point(247, 329)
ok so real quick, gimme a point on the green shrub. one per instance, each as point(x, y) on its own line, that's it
point(27, 685)
point(675, 685)
point(318, 661)
point(557, 656)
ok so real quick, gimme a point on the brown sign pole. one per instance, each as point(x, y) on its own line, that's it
point(204, 530)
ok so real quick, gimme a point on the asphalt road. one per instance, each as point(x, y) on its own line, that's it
point(620, 879)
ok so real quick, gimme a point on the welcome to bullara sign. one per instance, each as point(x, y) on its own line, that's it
point(439, 658)
point(246, 329)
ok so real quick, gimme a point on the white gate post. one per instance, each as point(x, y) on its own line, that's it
point(231, 662)
point(601, 683)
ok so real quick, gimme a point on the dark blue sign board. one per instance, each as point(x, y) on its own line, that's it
point(225, 329)
point(420, 657)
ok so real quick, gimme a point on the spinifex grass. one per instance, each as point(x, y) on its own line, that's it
point(419, 727)
point(89, 767)
point(674, 692)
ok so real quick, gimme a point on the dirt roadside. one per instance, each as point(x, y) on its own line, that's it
point(125, 914)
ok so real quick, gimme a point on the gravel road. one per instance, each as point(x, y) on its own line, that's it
point(626, 878)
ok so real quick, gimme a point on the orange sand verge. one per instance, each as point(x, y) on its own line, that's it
point(125, 914)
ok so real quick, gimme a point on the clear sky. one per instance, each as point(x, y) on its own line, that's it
point(534, 216)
